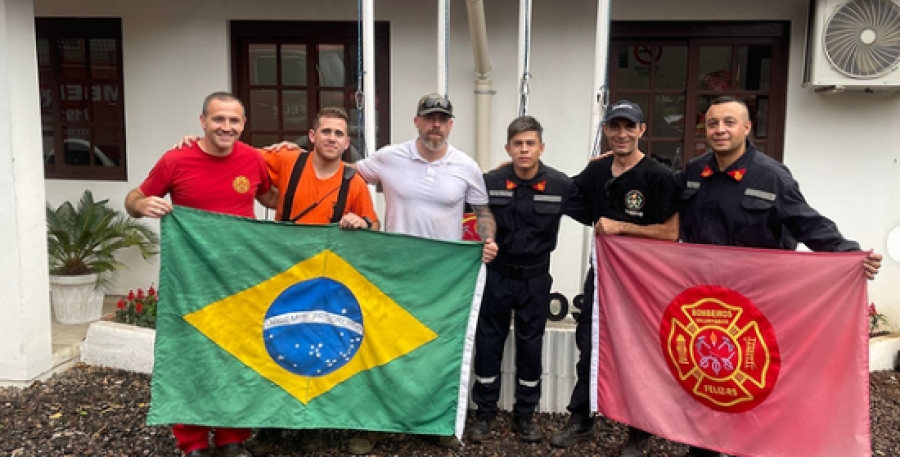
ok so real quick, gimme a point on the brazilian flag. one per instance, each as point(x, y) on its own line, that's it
point(265, 324)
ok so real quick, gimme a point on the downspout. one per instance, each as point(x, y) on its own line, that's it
point(483, 83)
point(368, 26)
point(443, 7)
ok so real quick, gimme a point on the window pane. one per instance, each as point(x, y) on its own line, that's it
point(671, 68)
point(715, 68)
point(46, 105)
point(753, 67)
point(331, 65)
point(108, 147)
point(43, 53)
point(262, 64)
point(293, 65)
point(104, 60)
point(77, 146)
point(294, 108)
point(667, 153)
point(47, 141)
point(759, 115)
point(74, 103)
point(105, 103)
point(72, 58)
point(703, 104)
point(331, 98)
point(264, 139)
point(634, 66)
point(264, 109)
point(667, 118)
point(353, 72)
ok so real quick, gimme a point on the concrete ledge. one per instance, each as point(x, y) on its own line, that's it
point(883, 351)
point(121, 346)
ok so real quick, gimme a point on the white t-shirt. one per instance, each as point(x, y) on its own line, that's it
point(424, 198)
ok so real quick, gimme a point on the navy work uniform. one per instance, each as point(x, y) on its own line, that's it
point(754, 203)
point(646, 194)
point(527, 214)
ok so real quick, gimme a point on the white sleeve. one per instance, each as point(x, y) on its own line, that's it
point(370, 167)
point(476, 193)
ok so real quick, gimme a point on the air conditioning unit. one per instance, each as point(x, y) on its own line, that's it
point(853, 45)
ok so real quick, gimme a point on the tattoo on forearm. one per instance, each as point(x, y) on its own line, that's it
point(484, 221)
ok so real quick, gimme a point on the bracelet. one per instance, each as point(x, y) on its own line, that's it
point(368, 222)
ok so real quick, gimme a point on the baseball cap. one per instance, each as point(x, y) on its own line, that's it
point(434, 103)
point(624, 109)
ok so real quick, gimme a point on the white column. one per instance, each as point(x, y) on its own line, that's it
point(25, 345)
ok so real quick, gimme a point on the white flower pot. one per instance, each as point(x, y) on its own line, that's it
point(75, 299)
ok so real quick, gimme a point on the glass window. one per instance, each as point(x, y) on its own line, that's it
point(81, 98)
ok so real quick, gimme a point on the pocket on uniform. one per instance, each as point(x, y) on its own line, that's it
point(548, 204)
point(751, 203)
point(688, 194)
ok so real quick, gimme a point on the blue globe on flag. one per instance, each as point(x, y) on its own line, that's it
point(314, 327)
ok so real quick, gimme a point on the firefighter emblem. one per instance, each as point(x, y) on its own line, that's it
point(720, 348)
point(634, 200)
point(241, 184)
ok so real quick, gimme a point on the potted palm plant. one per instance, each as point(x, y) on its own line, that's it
point(82, 242)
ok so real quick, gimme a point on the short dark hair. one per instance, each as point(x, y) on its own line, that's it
point(731, 99)
point(524, 124)
point(331, 112)
point(221, 96)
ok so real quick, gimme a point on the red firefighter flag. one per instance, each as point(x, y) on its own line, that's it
point(746, 351)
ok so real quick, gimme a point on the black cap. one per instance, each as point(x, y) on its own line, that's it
point(434, 103)
point(624, 109)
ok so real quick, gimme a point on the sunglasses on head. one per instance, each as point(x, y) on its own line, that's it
point(430, 103)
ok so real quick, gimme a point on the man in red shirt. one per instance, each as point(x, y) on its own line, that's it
point(217, 174)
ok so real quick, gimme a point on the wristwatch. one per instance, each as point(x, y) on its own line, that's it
point(368, 222)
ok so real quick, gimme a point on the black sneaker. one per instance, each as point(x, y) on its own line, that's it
point(571, 434)
point(528, 432)
point(701, 452)
point(481, 432)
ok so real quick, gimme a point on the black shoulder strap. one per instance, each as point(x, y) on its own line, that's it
point(292, 186)
point(342, 194)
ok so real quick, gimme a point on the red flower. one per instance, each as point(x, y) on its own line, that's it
point(872, 310)
point(140, 294)
point(121, 303)
point(130, 295)
point(151, 291)
point(138, 307)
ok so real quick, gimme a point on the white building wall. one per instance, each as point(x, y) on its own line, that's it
point(176, 52)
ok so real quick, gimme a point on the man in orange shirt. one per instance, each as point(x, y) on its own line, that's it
point(321, 179)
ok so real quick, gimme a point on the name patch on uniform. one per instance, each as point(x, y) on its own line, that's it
point(501, 193)
point(760, 194)
point(693, 184)
point(548, 198)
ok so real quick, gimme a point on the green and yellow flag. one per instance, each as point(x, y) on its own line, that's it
point(264, 324)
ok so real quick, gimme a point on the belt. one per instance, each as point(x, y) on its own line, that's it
point(520, 271)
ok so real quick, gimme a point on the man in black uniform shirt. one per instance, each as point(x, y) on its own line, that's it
point(738, 196)
point(627, 194)
point(527, 199)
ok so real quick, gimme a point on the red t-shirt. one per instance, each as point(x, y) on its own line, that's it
point(220, 184)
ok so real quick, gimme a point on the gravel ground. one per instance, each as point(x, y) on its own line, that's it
point(90, 411)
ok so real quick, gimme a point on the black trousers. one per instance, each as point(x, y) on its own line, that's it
point(528, 300)
point(580, 403)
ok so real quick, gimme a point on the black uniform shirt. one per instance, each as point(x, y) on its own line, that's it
point(527, 213)
point(754, 203)
point(645, 194)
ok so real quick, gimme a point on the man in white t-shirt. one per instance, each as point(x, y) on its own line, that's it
point(427, 181)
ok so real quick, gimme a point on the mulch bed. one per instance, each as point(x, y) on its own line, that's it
point(90, 411)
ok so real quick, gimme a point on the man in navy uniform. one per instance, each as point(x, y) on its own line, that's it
point(527, 199)
point(738, 196)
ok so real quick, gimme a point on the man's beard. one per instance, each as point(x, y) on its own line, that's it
point(434, 145)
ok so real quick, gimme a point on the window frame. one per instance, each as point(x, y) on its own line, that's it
point(53, 29)
point(311, 34)
point(696, 34)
